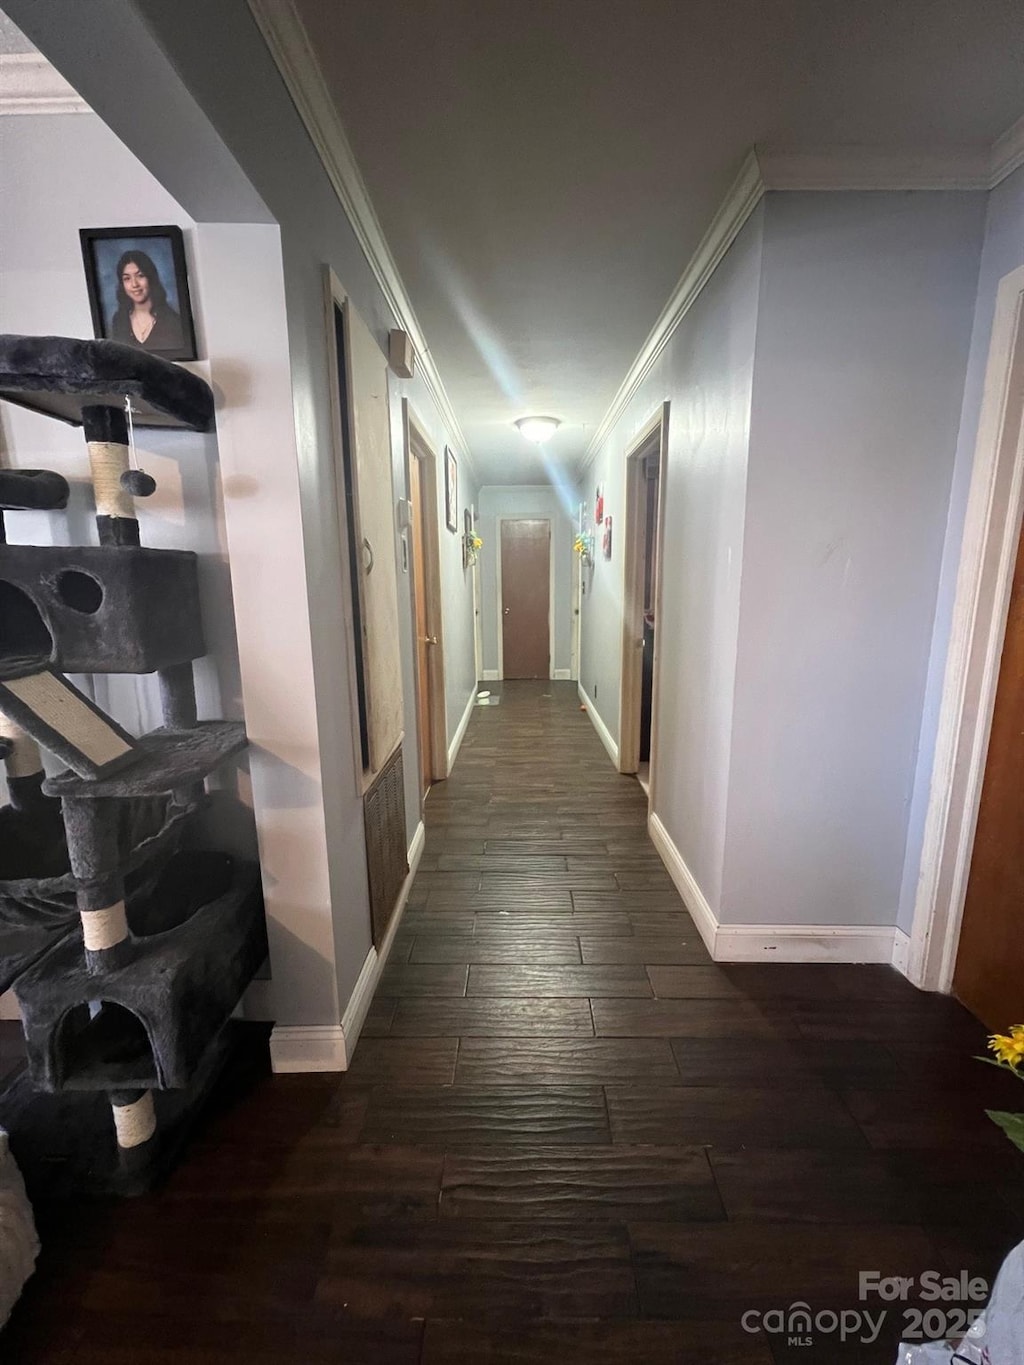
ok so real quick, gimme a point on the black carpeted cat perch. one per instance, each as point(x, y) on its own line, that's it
point(127, 955)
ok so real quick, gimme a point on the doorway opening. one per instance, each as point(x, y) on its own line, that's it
point(645, 470)
point(525, 588)
point(968, 858)
point(990, 957)
point(425, 572)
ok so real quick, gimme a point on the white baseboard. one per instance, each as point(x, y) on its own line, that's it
point(490, 675)
point(330, 1047)
point(685, 882)
point(9, 1006)
point(901, 951)
point(460, 733)
point(769, 942)
point(562, 675)
point(854, 943)
point(603, 733)
point(314, 1047)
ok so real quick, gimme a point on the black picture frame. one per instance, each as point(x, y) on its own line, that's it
point(451, 490)
point(164, 247)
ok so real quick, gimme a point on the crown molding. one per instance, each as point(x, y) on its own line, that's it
point(872, 168)
point(745, 194)
point(30, 85)
point(772, 168)
point(1007, 153)
point(288, 41)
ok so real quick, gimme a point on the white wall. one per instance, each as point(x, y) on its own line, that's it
point(1002, 252)
point(98, 182)
point(525, 500)
point(705, 372)
point(864, 326)
point(150, 70)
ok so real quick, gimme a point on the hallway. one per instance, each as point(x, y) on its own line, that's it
point(567, 1135)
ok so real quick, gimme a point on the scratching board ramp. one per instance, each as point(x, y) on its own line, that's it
point(62, 719)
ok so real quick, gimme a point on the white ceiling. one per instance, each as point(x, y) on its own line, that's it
point(544, 169)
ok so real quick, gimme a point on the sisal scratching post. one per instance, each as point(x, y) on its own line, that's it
point(178, 696)
point(24, 765)
point(106, 434)
point(134, 1125)
point(20, 752)
point(91, 825)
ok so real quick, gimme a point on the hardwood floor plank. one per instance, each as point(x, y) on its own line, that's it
point(693, 983)
point(476, 1269)
point(932, 1019)
point(490, 947)
point(784, 1062)
point(463, 1115)
point(912, 1118)
point(614, 981)
point(809, 1185)
point(572, 1184)
point(410, 1061)
point(648, 950)
point(731, 1116)
point(548, 899)
point(490, 1017)
point(379, 1016)
point(687, 1018)
point(316, 1178)
point(565, 1061)
point(718, 1271)
point(416, 979)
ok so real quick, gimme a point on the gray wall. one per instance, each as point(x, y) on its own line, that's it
point(863, 333)
point(1003, 251)
point(815, 393)
point(523, 500)
point(206, 89)
point(705, 372)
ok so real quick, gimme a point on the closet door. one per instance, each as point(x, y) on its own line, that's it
point(365, 484)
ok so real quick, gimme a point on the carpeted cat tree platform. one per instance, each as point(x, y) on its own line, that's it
point(127, 949)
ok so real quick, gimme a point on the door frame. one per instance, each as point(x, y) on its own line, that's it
point(992, 530)
point(418, 447)
point(336, 297)
point(498, 523)
point(576, 619)
point(652, 439)
point(478, 643)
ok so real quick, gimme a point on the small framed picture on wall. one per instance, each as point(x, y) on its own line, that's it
point(451, 490)
point(138, 289)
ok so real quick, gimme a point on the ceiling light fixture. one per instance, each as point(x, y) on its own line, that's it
point(538, 429)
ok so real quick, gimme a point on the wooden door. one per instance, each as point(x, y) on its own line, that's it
point(989, 976)
point(372, 492)
point(424, 709)
point(651, 472)
point(525, 598)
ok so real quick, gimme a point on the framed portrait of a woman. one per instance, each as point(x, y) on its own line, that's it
point(138, 289)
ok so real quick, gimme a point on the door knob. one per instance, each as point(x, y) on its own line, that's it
point(428, 639)
point(507, 609)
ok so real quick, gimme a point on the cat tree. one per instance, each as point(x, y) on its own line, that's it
point(127, 950)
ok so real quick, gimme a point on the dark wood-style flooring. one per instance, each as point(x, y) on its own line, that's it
point(567, 1135)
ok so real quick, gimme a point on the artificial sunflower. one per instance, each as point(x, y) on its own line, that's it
point(1009, 1047)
